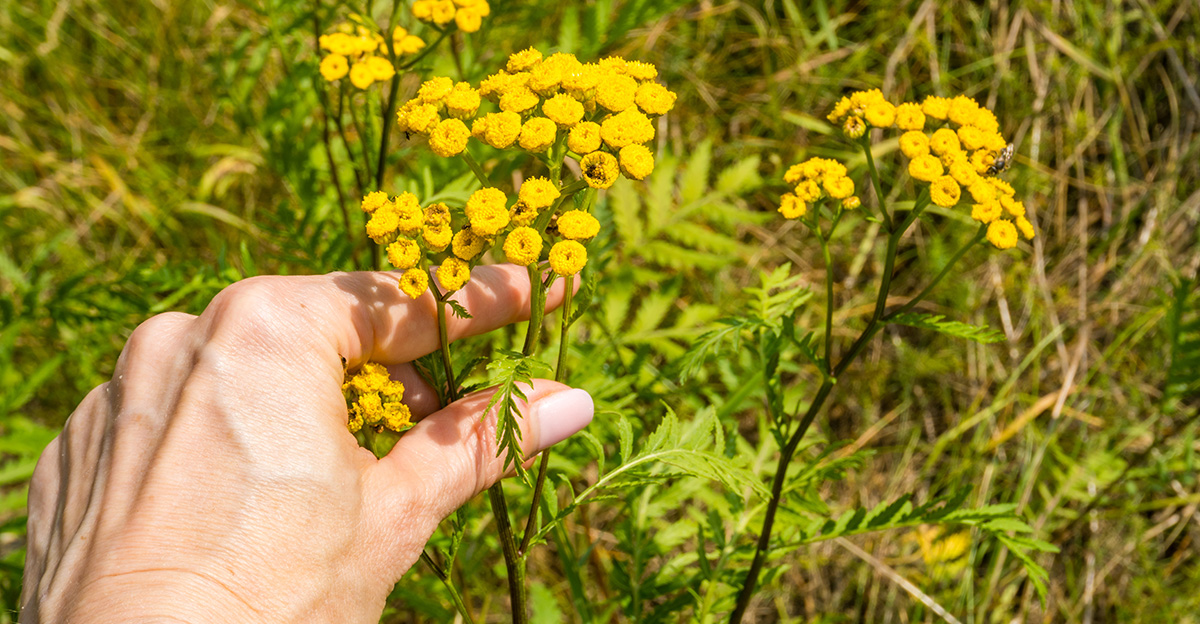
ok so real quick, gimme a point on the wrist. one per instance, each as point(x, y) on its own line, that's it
point(169, 596)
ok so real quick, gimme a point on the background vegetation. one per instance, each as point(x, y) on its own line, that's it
point(153, 152)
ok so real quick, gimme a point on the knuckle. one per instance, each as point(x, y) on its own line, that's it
point(254, 308)
point(153, 333)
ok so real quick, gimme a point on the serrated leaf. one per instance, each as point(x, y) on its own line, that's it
point(740, 177)
point(625, 435)
point(458, 309)
point(935, 322)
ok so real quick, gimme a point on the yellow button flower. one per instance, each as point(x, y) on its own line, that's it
point(522, 213)
point(449, 138)
point(584, 137)
point(414, 282)
point(434, 90)
point(518, 100)
point(1026, 227)
point(502, 129)
point(523, 60)
point(546, 78)
point(404, 254)
point(854, 127)
point(600, 169)
point(577, 225)
point(936, 107)
point(981, 191)
point(962, 171)
point(487, 212)
point(383, 224)
point(361, 75)
point(808, 190)
point(925, 168)
point(467, 245)
point(397, 417)
point(374, 201)
point(537, 134)
point(1002, 234)
point(334, 67)
point(986, 212)
point(410, 44)
point(523, 246)
point(838, 187)
point(437, 237)
point(972, 138)
point(944, 141)
point(986, 121)
point(944, 191)
point(792, 207)
point(538, 193)
point(640, 70)
point(567, 257)
point(851, 203)
point(616, 92)
point(381, 68)
point(913, 144)
point(436, 214)
point(417, 117)
point(423, 9)
point(468, 21)
point(453, 274)
point(443, 12)
point(462, 101)
point(881, 114)
point(909, 117)
point(963, 110)
point(563, 110)
point(626, 128)
point(637, 162)
point(654, 99)
point(1012, 206)
point(582, 79)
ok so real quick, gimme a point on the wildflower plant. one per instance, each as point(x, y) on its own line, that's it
point(955, 158)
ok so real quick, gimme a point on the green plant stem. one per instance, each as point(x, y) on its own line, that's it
point(333, 174)
point(425, 52)
point(512, 559)
point(444, 343)
point(887, 219)
point(346, 141)
point(936, 280)
point(789, 449)
point(475, 168)
point(362, 139)
point(560, 375)
point(444, 577)
point(537, 307)
point(828, 302)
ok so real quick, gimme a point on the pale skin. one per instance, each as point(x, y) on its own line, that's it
point(214, 480)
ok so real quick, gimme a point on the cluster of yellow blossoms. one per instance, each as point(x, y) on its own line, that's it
point(357, 51)
point(373, 399)
point(414, 235)
point(466, 14)
point(816, 179)
point(958, 152)
point(602, 112)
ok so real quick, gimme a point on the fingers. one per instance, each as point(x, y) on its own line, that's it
point(451, 455)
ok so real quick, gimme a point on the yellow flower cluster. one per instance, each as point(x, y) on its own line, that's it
point(956, 156)
point(466, 14)
point(602, 112)
point(373, 399)
point(814, 180)
point(357, 51)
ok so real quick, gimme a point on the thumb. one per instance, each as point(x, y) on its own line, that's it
point(451, 455)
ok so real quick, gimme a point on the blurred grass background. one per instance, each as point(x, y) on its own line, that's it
point(153, 152)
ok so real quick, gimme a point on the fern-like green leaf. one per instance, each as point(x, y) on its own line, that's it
point(950, 328)
point(509, 369)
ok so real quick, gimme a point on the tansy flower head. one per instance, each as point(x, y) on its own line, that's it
point(1002, 234)
point(453, 274)
point(584, 137)
point(880, 114)
point(640, 70)
point(1026, 227)
point(567, 257)
point(437, 237)
point(467, 245)
point(944, 141)
point(910, 117)
point(913, 144)
point(854, 127)
point(616, 92)
point(963, 110)
point(383, 223)
point(523, 60)
point(518, 100)
point(334, 67)
point(487, 212)
point(792, 207)
point(925, 168)
point(522, 213)
point(563, 110)
point(986, 212)
point(851, 203)
point(637, 162)
point(404, 254)
point(600, 169)
point(838, 187)
point(537, 134)
point(523, 246)
point(462, 101)
point(361, 75)
point(936, 107)
point(501, 129)
point(373, 201)
point(538, 193)
point(434, 90)
point(414, 282)
point(972, 138)
point(626, 128)
point(654, 99)
point(449, 138)
point(944, 191)
point(577, 225)
point(436, 214)
point(381, 68)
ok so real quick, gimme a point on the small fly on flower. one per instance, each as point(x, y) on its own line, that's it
point(1002, 162)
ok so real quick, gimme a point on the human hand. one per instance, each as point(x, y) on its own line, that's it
point(214, 480)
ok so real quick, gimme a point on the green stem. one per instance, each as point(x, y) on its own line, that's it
point(945, 270)
point(560, 375)
point(828, 301)
point(789, 449)
point(512, 559)
point(537, 308)
point(887, 218)
point(358, 178)
point(444, 577)
point(333, 173)
point(444, 343)
point(475, 168)
point(362, 138)
point(425, 52)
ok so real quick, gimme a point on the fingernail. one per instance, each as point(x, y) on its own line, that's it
point(562, 414)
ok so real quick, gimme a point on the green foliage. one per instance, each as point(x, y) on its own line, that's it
point(508, 369)
point(935, 322)
point(1183, 330)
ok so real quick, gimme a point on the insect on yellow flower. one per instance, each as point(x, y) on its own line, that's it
point(600, 169)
